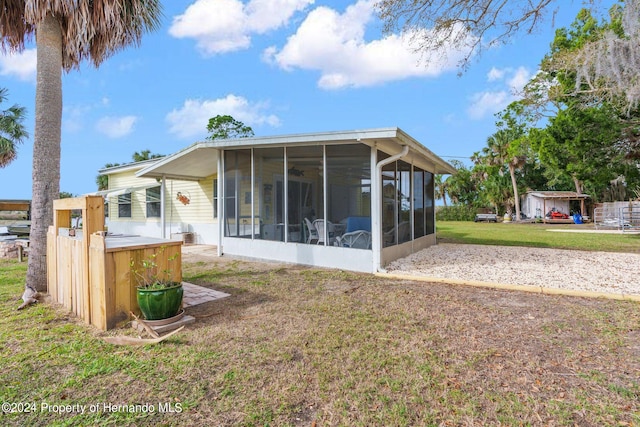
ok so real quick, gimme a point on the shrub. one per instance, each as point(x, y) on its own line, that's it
point(456, 213)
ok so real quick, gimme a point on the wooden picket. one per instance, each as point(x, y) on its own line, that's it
point(91, 275)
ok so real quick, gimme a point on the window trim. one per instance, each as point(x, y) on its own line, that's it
point(153, 204)
point(123, 203)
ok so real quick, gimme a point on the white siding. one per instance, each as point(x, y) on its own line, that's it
point(196, 216)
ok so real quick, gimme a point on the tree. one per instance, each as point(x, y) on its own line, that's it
point(609, 64)
point(577, 145)
point(226, 127)
point(466, 24)
point(145, 155)
point(102, 181)
point(12, 131)
point(461, 186)
point(504, 148)
point(589, 140)
point(441, 188)
point(66, 33)
point(494, 188)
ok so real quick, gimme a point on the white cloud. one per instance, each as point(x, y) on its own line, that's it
point(520, 78)
point(21, 65)
point(335, 44)
point(509, 84)
point(484, 103)
point(73, 117)
point(116, 127)
point(496, 74)
point(221, 26)
point(191, 120)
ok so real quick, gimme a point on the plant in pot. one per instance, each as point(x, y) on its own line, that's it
point(159, 297)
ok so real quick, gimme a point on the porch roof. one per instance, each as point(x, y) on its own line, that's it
point(566, 195)
point(199, 160)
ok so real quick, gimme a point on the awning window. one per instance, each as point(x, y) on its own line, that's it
point(113, 192)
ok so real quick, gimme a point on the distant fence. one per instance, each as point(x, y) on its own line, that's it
point(624, 216)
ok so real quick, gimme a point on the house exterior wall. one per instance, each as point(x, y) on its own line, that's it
point(299, 253)
point(278, 183)
point(406, 204)
point(392, 253)
point(196, 217)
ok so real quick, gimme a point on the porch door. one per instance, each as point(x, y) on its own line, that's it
point(299, 204)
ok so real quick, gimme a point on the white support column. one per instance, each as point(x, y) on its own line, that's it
point(253, 188)
point(220, 200)
point(324, 195)
point(285, 197)
point(163, 216)
point(412, 206)
point(376, 213)
point(377, 209)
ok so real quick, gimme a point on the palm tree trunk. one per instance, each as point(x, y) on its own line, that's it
point(578, 184)
point(46, 147)
point(512, 172)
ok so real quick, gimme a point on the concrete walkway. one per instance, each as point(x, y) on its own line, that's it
point(194, 294)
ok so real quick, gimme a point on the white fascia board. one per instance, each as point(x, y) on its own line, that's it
point(128, 166)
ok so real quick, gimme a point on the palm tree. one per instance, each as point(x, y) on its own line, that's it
point(66, 32)
point(12, 131)
point(441, 188)
point(503, 148)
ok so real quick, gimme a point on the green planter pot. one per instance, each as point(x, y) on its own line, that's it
point(163, 303)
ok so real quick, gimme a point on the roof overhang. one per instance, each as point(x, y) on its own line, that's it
point(565, 195)
point(194, 163)
point(200, 159)
point(113, 192)
point(128, 167)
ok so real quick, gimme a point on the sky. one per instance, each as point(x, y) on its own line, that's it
point(279, 66)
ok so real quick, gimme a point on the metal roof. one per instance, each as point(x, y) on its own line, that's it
point(199, 160)
point(558, 195)
point(128, 166)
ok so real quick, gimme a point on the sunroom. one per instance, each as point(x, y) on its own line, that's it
point(353, 200)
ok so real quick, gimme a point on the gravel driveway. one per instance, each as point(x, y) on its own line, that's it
point(614, 273)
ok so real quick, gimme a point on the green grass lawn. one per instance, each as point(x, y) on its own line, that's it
point(537, 235)
point(296, 346)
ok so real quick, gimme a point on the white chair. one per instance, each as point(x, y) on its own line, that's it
point(312, 232)
point(359, 239)
point(404, 234)
point(322, 236)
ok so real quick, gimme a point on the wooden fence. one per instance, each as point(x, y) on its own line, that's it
point(90, 274)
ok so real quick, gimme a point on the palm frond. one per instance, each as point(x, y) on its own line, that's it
point(91, 29)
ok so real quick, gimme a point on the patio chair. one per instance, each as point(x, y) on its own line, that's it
point(404, 234)
point(322, 236)
point(359, 239)
point(312, 232)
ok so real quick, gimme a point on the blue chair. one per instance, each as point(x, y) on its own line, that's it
point(355, 223)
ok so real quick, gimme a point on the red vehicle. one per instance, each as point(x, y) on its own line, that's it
point(556, 214)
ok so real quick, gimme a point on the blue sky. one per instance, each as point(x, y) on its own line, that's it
point(279, 66)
